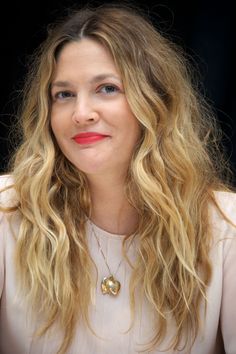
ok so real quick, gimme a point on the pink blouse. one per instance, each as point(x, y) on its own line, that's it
point(110, 316)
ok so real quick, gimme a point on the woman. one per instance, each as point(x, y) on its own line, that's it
point(117, 230)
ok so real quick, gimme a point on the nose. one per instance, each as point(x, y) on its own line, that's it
point(84, 111)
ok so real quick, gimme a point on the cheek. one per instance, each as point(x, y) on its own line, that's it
point(57, 126)
point(53, 120)
point(59, 118)
point(131, 123)
point(133, 128)
point(53, 126)
point(58, 134)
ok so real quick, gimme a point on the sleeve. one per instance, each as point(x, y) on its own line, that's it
point(228, 306)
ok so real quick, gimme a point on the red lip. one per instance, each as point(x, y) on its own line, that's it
point(88, 138)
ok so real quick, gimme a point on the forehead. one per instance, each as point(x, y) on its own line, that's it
point(86, 56)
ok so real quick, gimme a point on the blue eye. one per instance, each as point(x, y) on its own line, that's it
point(109, 89)
point(62, 95)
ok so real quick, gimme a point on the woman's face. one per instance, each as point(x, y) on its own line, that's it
point(90, 118)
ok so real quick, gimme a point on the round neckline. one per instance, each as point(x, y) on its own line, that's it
point(104, 233)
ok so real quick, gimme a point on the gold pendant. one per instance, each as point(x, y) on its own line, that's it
point(110, 286)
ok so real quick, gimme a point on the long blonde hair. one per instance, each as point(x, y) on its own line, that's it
point(170, 182)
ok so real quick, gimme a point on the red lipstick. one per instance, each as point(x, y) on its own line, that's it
point(88, 138)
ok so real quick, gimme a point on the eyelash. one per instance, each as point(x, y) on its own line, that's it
point(69, 94)
point(58, 94)
point(109, 86)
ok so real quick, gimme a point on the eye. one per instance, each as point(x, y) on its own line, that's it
point(108, 89)
point(62, 95)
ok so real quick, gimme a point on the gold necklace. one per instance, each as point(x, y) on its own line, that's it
point(109, 285)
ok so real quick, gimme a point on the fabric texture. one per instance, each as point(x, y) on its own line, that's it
point(110, 316)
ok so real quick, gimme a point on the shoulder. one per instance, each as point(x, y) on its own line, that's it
point(223, 225)
point(7, 200)
point(223, 219)
point(224, 207)
point(5, 181)
point(10, 218)
point(7, 192)
point(226, 200)
point(224, 230)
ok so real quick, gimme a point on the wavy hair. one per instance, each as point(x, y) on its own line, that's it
point(173, 173)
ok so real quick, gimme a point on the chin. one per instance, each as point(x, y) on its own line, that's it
point(91, 169)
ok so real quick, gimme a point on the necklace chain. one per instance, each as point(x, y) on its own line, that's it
point(109, 285)
point(103, 255)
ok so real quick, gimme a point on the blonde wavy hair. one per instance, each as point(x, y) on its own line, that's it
point(171, 179)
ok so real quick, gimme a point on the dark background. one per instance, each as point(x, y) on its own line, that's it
point(204, 29)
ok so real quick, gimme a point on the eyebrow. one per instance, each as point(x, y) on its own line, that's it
point(101, 77)
point(95, 79)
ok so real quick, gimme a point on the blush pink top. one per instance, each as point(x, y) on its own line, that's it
point(110, 316)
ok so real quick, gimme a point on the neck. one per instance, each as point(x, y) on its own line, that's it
point(111, 209)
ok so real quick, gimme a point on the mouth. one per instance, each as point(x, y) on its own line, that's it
point(88, 138)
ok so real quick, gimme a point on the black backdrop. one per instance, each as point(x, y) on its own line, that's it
point(203, 28)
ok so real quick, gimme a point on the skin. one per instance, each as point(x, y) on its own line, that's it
point(88, 96)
